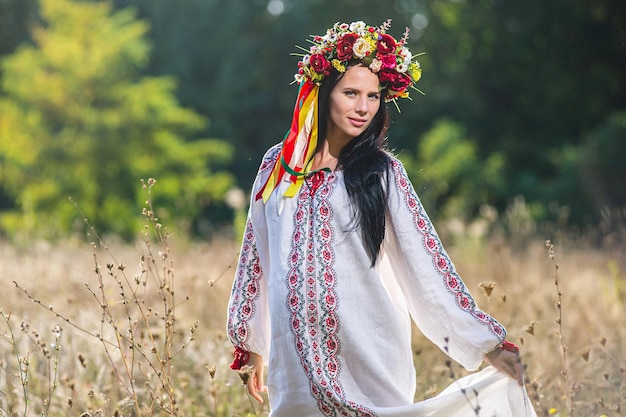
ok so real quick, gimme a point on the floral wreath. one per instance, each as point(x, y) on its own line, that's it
point(388, 58)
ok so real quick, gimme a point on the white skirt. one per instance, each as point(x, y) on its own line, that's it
point(488, 393)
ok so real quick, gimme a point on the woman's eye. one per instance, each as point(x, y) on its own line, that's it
point(375, 96)
point(350, 93)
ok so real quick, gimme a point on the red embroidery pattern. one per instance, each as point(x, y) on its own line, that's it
point(245, 291)
point(442, 262)
point(269, 159)
point(312, 300)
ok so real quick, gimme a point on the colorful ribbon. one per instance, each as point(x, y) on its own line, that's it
point(299, 144)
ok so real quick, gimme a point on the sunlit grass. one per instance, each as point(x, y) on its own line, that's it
point(122, 352)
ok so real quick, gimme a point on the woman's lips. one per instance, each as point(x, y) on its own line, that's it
point(357, 122)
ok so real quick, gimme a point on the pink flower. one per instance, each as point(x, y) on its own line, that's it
point(376, 65)
point(320, 64)
point(388, 61)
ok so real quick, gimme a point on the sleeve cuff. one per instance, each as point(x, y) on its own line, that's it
point(241, 358)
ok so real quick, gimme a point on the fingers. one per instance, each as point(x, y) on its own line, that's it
point(255, 384)
point(507, 362)
point(513, 366)
point(519, 372)
point(253, 390)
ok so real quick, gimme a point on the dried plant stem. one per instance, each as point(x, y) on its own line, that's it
point(559, 306)
point(108, 318)
point(252, 404)
point(476, 408)
point(53, 370)
point(142, 334)
point(22, 368)
point(56, 313)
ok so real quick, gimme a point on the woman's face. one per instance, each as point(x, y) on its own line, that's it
point(353, 103)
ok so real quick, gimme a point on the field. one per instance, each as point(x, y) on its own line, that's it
point(142, 333)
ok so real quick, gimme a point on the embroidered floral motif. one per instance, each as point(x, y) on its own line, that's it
point(245, 291)
point(270, 158)
point(313, 302)
point(440, 259)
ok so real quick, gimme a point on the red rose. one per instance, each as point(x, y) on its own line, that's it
point(389, 61)
point(320, 64)
point(386, 44)
point(344, 46)
point(395, 81)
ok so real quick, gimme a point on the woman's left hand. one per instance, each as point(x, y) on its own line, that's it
point(508, 362)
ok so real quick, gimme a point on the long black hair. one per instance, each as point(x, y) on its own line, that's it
point(364, 162)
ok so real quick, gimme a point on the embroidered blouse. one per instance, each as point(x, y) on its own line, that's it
point(334, 331)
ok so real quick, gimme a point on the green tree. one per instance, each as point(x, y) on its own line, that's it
point(529, 80)
point(16, 16)
point(602, 162)
point(78, 119)
point(450, 176)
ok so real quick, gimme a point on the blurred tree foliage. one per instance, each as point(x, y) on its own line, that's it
point(530, 80)
point(78, 119)
point(523, 81)
point(452, 177)
point(522, 98)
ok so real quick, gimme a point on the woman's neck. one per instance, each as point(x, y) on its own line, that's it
point(327, 156)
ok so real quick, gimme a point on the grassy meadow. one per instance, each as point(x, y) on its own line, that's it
point(112, 329)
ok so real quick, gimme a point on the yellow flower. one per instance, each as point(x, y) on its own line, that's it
point(552, 411)
point(338, 65)
point(415, 72)
point(371, 41)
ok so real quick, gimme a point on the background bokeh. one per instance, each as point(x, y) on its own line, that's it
point(523, 100)
point(519, 138)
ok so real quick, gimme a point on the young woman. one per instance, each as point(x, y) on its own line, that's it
point(338, 257)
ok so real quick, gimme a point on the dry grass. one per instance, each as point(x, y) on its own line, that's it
point(580, 375)
point(88, 380)
point(574, 354)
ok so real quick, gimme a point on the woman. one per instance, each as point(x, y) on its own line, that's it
point(338, 257)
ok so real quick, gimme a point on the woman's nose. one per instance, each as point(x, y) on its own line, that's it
point(361, 105)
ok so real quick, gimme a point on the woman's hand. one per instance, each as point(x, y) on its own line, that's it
point(508, 362)
point(255, 380)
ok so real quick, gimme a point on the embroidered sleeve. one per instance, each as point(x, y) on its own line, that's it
point(437, 298)
point(245, 324)
point(248, 310)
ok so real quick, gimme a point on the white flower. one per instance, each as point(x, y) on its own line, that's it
point(360, 48)
point(306, 60)
point(358, 27)
point(401, 68)
point(330, 37)
point(406, 55)
point(57, 331)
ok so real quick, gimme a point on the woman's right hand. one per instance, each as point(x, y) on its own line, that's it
point(255, 380)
